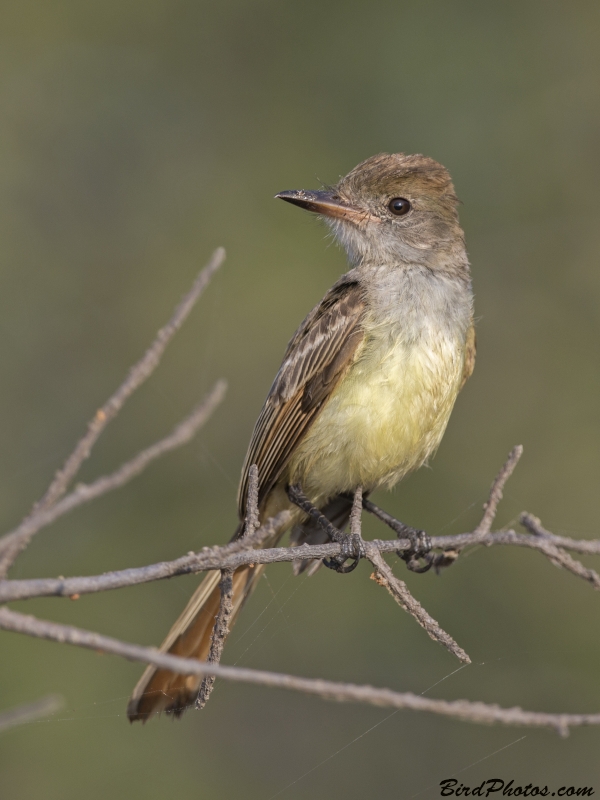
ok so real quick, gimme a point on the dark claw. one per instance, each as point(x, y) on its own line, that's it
point(352, 547)
point(420, 548)
point(420, 543)
point(338, 566)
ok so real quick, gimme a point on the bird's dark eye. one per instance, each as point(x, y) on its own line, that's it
point(399, 206)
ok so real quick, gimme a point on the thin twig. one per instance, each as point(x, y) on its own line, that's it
point(384, 576)
point(277, 524)
point(356, 513)
point(511, 537)
point(140, 372)
point(30, 712)
point(534, 525)
point(342, 692)
point(84, 493)
point(219, 635)
point(252, 521)
point(16, 541)
point(550, 547)
point(491, 506)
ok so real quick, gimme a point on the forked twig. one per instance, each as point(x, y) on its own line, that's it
point(140, 372)
point(547, 544)
point(84, 493)
point(16, 541)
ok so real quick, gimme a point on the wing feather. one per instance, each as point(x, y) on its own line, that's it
point(317, 356)
point(470, 353)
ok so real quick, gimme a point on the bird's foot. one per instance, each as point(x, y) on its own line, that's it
point(420, 543)
point(420, 548)
point(352, 546)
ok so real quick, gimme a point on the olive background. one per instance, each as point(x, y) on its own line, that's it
point(135, 137)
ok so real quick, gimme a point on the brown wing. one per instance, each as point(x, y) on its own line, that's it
point(470, 352)
point(316, 358)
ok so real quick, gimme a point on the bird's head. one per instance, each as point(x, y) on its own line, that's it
point(390, 209)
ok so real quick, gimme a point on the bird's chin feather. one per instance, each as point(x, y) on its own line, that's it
point(378, 243)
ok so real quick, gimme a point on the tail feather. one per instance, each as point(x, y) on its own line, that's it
point(161, 690)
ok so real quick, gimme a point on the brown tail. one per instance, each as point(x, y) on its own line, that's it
point(160, 690)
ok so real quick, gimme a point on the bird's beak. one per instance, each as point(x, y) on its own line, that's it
point(325, 202)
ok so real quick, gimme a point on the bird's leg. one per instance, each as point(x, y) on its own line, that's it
point(420, 543)
point(351, 544)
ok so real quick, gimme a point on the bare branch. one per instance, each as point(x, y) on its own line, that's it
point(355, 514)
point(585, 546)
point(139, 373)
point(550, 547)
point(11, 545)
point(384, 576)
point(219, 635)
point(84, 493)
point(511, 537)
point(256, 539)
point(546, 545)
point(342, 692)
point(183, 433)
point(564, 560)
point(240, 553)
point(252, 521)
point(491, 506)
point(20, 715)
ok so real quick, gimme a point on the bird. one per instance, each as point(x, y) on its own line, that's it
point(366, 386)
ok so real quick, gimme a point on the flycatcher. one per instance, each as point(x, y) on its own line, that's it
point(367, 383)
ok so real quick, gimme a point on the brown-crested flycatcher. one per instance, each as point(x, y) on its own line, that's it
point(367, 383)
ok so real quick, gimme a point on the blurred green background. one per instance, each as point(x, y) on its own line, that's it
point(135, 138)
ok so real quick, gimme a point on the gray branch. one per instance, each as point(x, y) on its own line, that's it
point(491, 507)
point(384, 576)
point(241, 552)
point(84, 493)
point(16, 541)
point(252, 520)
point(329, 690)
point(219, 635)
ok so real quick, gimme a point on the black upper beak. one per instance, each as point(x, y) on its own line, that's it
point(324, 202)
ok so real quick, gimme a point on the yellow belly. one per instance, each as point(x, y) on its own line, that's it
point(385, 418)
